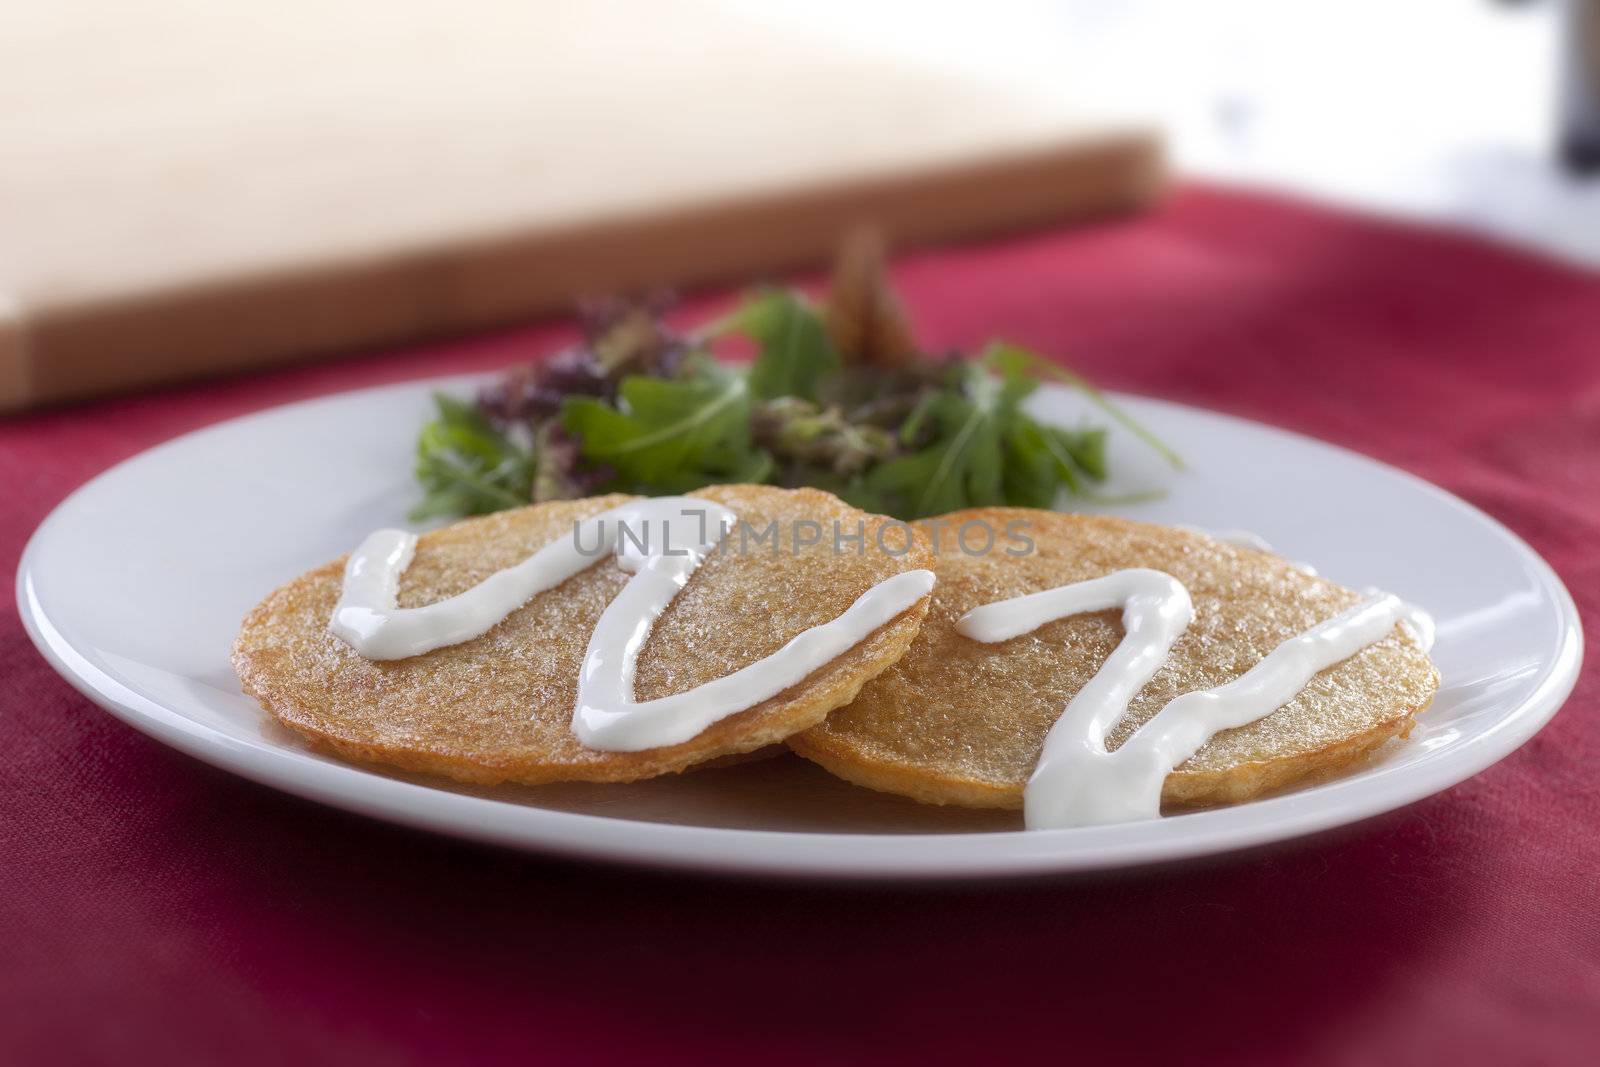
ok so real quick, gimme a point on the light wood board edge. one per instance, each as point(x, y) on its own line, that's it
point(57, 354)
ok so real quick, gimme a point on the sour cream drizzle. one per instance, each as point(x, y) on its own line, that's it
point(647, 539)
point(1077, 782)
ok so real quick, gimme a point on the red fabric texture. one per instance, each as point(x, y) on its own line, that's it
point(152, 908)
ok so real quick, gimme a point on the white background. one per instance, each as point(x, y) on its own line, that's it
point(1441, 109)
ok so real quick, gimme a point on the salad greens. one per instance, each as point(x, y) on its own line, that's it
point(839, 400)
point(666, 435)
point(466, 466)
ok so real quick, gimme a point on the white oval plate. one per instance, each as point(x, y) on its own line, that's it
point(134, 587)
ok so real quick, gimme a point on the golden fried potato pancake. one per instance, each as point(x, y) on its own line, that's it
point(960, 722)
point(499, 707)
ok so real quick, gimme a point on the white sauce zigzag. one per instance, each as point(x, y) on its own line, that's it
point(1077, 782)
point(606, 716)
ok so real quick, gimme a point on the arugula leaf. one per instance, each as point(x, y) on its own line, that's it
point(466, 466)
point(1034, 472)
point(965, 465)
point(1087, 448)
point(984, 450)
point(671, 435)
point(795, 354)
point(1009, 358)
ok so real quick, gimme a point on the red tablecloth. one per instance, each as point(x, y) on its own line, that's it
point(150, 905)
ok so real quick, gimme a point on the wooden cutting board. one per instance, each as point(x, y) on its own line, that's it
point(191, 188)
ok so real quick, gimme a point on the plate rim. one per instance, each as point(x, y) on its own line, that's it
point(817, 855)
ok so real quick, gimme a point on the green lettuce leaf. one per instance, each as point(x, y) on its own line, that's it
point(466, 466)
point(984, 450)
point(795, 354)
point(1009, 359)
point(671, 434)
